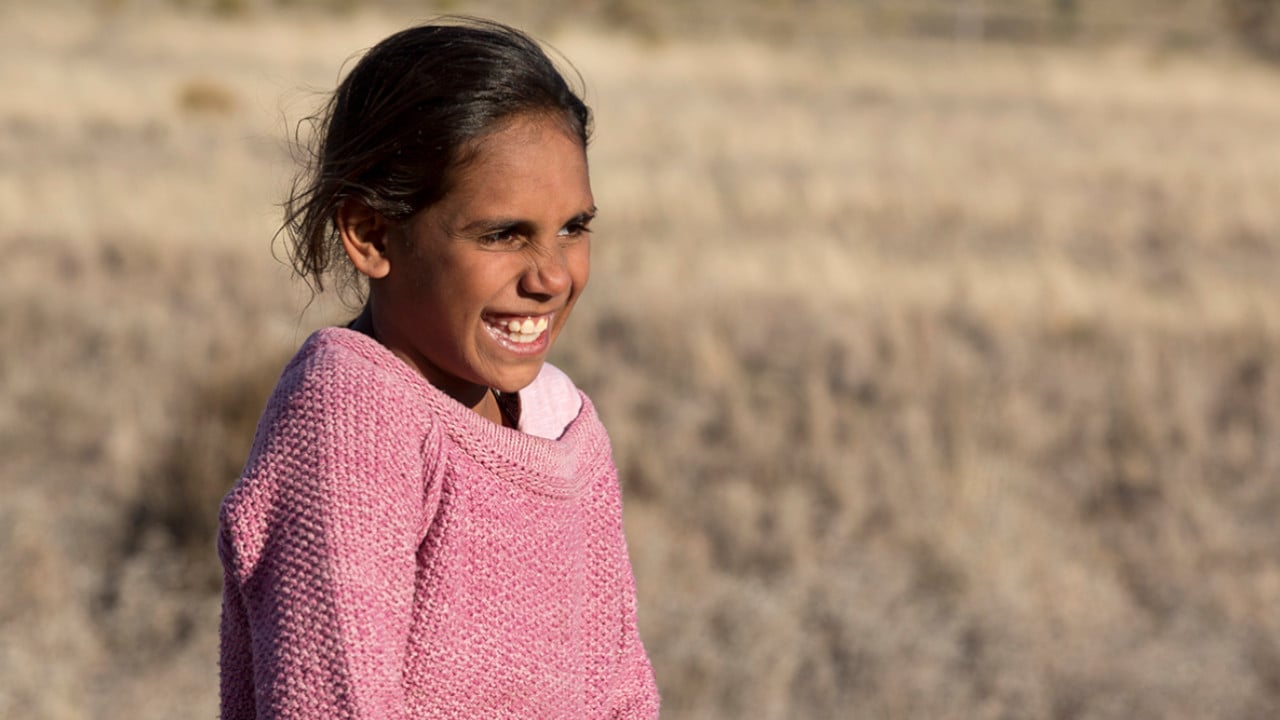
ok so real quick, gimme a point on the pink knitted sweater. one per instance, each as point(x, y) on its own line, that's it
point(388, 553)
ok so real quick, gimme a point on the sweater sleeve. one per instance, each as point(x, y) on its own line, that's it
point(637, 692)
point(319, 543)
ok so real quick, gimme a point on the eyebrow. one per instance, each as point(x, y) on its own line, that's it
point(584, 216)
point(489, 225)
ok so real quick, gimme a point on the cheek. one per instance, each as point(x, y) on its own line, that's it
point(471, 286)
point(579, 262)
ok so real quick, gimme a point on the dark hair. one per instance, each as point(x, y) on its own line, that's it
point(407, 117)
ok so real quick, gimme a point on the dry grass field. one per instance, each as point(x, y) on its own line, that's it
point(944, 377)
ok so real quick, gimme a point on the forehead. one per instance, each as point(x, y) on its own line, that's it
point(525, 155)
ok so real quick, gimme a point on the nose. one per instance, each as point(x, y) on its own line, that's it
point(548, 273)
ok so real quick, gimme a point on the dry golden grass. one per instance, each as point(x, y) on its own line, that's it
point(944, 379)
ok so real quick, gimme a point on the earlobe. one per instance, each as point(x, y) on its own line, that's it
point(364, 237)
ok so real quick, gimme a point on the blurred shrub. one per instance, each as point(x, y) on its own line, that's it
point(206, 97)
point(1256, 23)
point(211, 438)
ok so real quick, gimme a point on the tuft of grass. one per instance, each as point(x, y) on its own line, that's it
point(201, 96)
point(212, 434)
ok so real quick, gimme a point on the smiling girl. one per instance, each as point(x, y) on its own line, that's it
point(429, 523)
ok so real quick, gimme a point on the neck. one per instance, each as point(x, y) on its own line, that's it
point(363, 323)
point(478, 398)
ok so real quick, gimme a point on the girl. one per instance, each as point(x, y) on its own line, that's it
point(429, 524)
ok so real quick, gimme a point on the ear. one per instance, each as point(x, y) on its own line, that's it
point(364, 237)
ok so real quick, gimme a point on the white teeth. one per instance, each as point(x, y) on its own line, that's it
point(522, 331)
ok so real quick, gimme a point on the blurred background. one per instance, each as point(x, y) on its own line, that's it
point(939, 341)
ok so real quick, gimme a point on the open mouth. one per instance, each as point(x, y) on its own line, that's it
point(518, 329)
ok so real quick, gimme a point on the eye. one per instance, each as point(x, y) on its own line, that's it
point(576, 229)
point(508, 236)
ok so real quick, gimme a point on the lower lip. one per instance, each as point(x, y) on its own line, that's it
point(537, 347)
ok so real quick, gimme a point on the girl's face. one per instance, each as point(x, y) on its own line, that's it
point(481, 283)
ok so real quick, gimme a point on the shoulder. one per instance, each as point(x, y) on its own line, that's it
point(343, 407)
point(345, 365)
point(342, 429)
point(343, 389)
point(342, 378)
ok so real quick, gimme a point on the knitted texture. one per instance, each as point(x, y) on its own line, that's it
point(388, 553)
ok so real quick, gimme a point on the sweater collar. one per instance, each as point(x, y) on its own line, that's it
point(557, 468)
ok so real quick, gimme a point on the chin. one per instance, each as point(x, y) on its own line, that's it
point(516, 381)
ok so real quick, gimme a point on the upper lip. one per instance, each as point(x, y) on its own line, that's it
point(511, 315)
